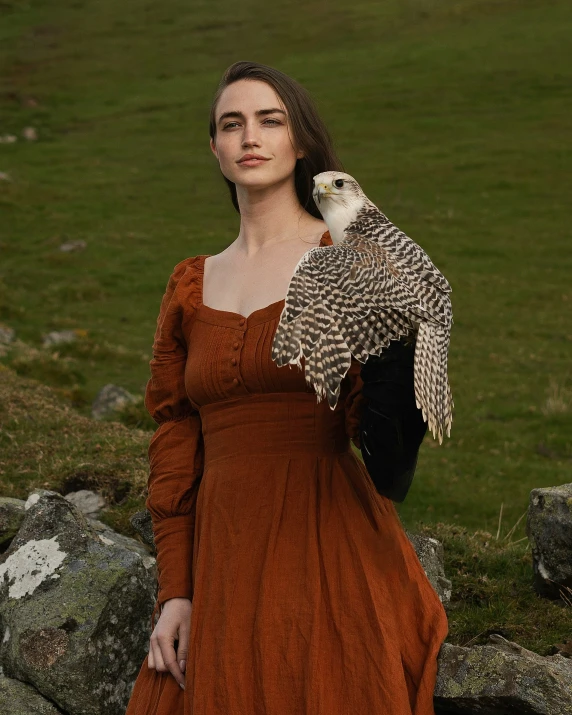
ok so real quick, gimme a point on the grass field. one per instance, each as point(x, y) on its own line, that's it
point(453, 116)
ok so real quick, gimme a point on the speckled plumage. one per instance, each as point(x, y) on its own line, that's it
point(372, 286)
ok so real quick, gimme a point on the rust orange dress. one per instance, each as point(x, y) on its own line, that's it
point(308, 598)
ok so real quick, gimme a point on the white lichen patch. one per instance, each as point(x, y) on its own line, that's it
point(31, 564)
point(149, 562)
point(107, 541)
point(542, 569)
point(31, 500)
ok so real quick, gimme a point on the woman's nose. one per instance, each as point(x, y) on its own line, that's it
point(250, 134)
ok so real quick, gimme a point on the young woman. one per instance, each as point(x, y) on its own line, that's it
point(287, 585)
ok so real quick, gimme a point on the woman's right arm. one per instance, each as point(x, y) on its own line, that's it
point(175, 469)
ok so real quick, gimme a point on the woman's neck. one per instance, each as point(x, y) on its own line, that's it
point(271, 215)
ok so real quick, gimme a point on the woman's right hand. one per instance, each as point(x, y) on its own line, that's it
point(174, 624)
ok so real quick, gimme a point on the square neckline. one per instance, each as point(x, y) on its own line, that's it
point(269, 307)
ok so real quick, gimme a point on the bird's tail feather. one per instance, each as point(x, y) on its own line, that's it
point(432, 389)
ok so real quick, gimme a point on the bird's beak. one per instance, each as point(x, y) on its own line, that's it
point(321, 190)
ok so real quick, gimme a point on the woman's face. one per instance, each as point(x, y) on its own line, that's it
point(244, 126)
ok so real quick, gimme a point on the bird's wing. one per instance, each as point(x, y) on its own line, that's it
point(405, 252)
point(413, 270)
point(342, 300)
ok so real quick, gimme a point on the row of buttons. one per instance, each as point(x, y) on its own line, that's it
point(234, 361)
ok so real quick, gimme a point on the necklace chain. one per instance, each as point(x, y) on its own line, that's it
point(300, 237)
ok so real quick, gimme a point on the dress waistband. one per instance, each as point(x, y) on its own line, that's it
point(273, 423)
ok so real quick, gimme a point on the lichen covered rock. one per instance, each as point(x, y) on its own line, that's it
point(74, 609)
point(502, 678)
point(17, 698)
point(430, 553)
point(12, 514)
point(549, 529)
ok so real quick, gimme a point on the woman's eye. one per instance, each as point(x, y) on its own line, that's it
point(230, 124)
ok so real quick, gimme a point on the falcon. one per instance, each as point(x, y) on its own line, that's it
point(373, 285)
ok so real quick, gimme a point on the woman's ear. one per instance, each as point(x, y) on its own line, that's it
point(213, 148)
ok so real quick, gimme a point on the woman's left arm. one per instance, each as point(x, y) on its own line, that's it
point(392, 427)
point(383, 420)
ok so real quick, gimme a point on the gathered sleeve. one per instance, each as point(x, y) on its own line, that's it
point(176, 454)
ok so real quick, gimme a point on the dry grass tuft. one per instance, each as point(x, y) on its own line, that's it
point(47, 444)
point(558, 401)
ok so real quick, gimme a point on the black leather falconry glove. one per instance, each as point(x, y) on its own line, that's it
point(391, 427)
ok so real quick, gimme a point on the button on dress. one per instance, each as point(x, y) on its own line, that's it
point(307, 596)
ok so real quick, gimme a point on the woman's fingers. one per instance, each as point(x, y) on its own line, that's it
point(166, 643)
point(173, 625)
point(183, 649)
point(155, 655)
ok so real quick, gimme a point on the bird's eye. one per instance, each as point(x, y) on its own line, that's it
point(339, 183)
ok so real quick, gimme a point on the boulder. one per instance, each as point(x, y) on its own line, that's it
point(430, 553)
point(17, 698)
point(75, 610)
point(109, 536)
point(143, 525)
point(12, 513)
point(501, 678)
point(549, 529)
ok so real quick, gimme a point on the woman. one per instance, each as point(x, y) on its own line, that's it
point(287, 584)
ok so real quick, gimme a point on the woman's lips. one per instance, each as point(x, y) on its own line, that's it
point(252, 162)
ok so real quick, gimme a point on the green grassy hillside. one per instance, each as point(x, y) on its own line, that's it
point(453, 116)
point(48, 445)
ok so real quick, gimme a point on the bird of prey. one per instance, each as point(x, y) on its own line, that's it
point(373, 285)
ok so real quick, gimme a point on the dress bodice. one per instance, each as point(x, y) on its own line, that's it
point(230, 355)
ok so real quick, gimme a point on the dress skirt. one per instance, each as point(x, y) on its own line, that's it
point(309, 599)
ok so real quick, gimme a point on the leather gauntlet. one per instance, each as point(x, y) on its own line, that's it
point(391, 426)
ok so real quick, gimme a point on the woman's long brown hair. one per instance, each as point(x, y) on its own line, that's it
point(310, 133)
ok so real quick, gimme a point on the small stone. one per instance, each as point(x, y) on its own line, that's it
point(30, 134)
point(59, 338)
point(110, 399)
point(70, 246)
point(87, 501)
point(6, 335)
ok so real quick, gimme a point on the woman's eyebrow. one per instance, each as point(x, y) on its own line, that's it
point(259, 112)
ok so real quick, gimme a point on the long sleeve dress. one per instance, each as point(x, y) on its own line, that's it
point(307, 596)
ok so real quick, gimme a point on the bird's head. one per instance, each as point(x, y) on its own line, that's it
point(339, 198)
